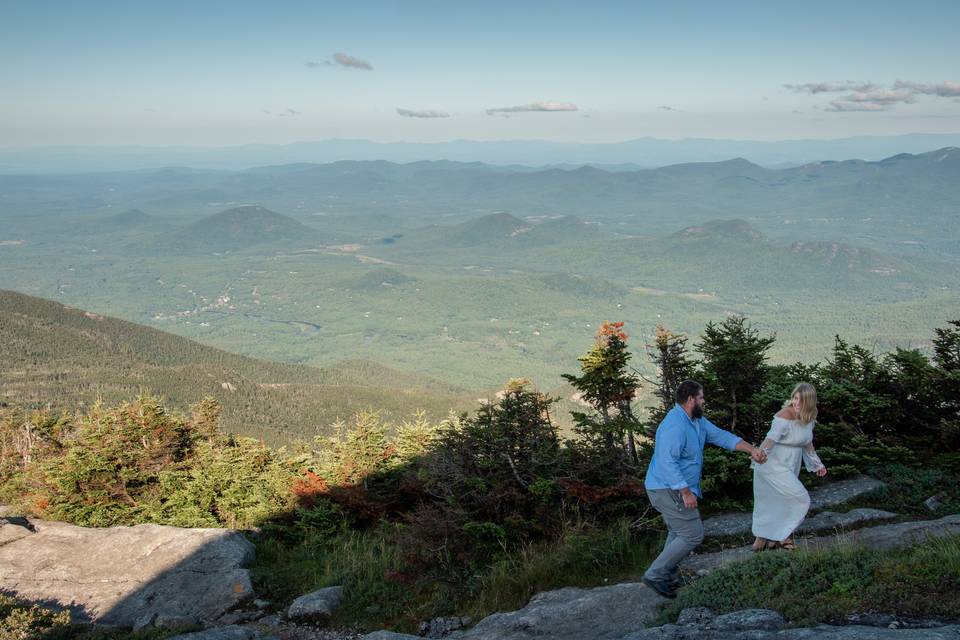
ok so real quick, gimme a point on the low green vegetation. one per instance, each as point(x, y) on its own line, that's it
point(810, 587)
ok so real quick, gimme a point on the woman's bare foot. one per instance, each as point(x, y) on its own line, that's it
point(759, 544)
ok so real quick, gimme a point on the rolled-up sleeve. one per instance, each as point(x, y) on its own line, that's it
point(719, 437)
point(667, 454)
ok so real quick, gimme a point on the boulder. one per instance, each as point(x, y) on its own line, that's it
point(122, 576)
point(317, 605)
point(603, 613)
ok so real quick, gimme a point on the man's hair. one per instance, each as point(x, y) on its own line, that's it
point(688, 389)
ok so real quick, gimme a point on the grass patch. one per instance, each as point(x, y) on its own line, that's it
point(810, 587)
point(377, 594)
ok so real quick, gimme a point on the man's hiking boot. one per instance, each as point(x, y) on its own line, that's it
point(661, 587)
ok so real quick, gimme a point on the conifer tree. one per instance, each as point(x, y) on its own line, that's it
point(606, 383)
point(669, 354)
point(734, 370)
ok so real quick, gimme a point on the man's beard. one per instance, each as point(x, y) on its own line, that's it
point(697, 412)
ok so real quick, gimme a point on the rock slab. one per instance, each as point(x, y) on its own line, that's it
point(603, 613)
point(122, 576)
point(887, 536)
point(733, 524)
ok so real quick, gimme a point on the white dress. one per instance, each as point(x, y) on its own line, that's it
point(780, 501)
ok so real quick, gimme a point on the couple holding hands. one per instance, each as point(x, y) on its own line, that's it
point(673, 477)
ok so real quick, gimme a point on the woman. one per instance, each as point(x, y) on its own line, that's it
point(780, 501)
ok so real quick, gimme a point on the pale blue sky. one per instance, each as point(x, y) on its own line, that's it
point(234, 72)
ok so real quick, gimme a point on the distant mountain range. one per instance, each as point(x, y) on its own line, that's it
point(642, 152)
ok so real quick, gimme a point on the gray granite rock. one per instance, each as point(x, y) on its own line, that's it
point(318, 605)
point(835, 493)
point(443, 627)
point(749, 620)
point(389, 635)
point(603, 613)
point(696, 615)
point(733, 524)
point(886, 536)
point(831, 520)
point(232, 632)
point(120, 576)
point(822, 632)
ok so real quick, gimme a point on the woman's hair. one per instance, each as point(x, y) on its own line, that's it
point(808, 401)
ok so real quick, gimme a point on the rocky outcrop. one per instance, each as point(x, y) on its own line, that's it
point(127, 576)
point(888, 536)
point(603, 613)
point(731, 524)
point(763, 624)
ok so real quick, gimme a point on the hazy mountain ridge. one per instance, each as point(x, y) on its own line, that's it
point(650, 152)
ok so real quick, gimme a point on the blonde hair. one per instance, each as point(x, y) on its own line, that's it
point(808, 401)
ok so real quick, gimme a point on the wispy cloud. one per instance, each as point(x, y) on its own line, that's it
point(881, 100)
point(866, 96)
point(664, 107)
point(535, 106)
point(412, 113)
point(843, 105)
point(340, 59)
point(286, 113)
point(943, 90)
point(814, 88)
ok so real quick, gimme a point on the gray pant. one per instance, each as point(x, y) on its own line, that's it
point(684, 533)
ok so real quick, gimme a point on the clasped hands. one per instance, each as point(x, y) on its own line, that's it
point(759, 455)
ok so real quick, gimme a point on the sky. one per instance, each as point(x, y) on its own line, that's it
point(225, 73)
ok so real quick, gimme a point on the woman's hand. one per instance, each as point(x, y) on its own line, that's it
point(822, 471)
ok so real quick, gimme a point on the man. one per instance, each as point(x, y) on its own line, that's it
point(673, 481)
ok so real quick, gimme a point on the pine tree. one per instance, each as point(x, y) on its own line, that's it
point(608, 386)
point(669, 354)
point(734, 370)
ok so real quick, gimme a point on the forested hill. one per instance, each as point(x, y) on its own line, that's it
point(62, 356)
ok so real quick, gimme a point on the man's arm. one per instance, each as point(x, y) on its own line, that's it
point(758, 455)
point(722, 438)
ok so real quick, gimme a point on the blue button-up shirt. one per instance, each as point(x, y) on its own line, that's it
point(678, 450)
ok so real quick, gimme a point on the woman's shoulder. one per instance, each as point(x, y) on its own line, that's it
point(787, 413)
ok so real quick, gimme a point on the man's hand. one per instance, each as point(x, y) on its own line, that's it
point(689, 498)
point(759, 455)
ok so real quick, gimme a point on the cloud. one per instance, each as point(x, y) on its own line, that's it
point(943, 90)
point(881, 100)
point(350, 62)
point(410, 113)
point(664, 107)
point(535, 106)
point(843, 105)
point(287, 113)
point(866, 96)
point(340, 59)
point(814, 88)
